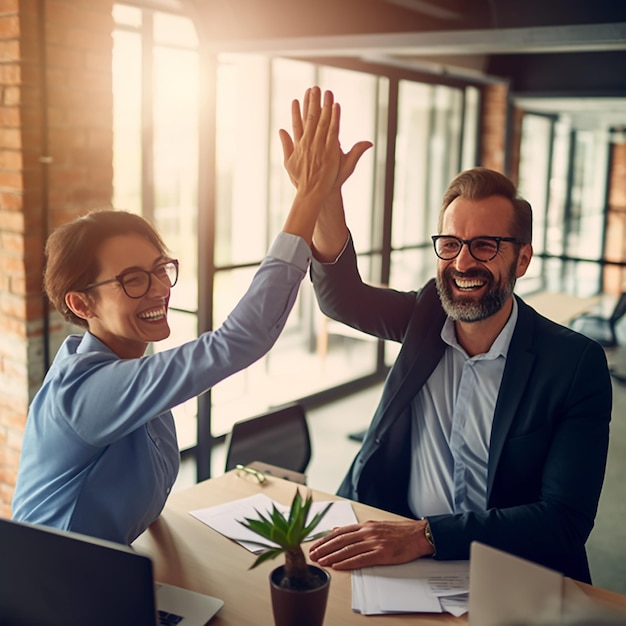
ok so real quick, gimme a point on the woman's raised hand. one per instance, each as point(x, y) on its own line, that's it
point(322, 124)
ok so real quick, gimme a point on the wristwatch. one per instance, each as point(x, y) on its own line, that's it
point(428, 534)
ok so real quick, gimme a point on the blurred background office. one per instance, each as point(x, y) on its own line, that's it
point(171, 109)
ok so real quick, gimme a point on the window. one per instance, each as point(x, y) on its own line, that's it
point(157, 142)
point(432, 145)
point(563, 175)
point(254, 196)
point(155, 82)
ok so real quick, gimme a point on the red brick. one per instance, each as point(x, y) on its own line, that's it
point(12, 327)
point(11, 243)
point(10, 159)
point(7, 484)
point(11, 95)
point(15, 370)
point(11, 180)
point(10, 138)
point(10, 74)
point(9, 26)
point(10, 51)
point(11, 265)
point(9, 6)
point(13, 411)
point(8, 473)
point(9, 202)
point(13, 306)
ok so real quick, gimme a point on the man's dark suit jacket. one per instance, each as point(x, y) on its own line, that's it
point(549, 436)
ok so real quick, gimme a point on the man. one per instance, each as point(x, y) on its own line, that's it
point(494, 421)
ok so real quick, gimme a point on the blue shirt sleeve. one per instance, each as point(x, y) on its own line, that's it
point(103, 397)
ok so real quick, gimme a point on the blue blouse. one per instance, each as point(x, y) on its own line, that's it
point(100, 453)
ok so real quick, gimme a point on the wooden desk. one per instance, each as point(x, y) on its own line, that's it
point(561, 307)
point(189, 554)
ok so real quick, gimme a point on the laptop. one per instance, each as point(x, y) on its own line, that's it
point(50, 577)
point(506, 589)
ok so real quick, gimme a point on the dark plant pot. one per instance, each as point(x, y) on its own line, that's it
point(302, 608)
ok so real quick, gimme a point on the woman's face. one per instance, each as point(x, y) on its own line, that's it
point(124, 324)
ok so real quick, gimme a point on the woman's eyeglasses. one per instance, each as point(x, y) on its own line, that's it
point(137, 283)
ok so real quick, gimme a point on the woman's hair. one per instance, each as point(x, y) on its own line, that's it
point(480, 183)
point(72, 252)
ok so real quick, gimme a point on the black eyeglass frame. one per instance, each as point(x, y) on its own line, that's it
point(469, 242)
point(120, 278)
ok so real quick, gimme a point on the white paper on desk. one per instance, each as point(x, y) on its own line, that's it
point(421, 586)
point(225, 518)
point(455, 605)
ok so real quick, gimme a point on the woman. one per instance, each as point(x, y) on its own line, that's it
point(100, 453)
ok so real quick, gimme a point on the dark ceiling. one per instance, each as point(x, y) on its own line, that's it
point(263, 19)
point(556, 55)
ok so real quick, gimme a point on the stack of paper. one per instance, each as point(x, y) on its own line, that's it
point(421, 586)
point(225, 518)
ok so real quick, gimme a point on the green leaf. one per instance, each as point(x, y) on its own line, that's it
point(319, 535)
point(278, 519)
point(317, 519)
point(261, 527)
point(279, 537)
point(267, 555)
point(294, 509)
point(297, 519)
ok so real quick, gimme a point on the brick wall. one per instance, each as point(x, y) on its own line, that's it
point(501, 131)
point(55, 162)
point(493, 126)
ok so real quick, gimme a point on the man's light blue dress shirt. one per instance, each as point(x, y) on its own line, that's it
point(451, 426)
point(100, 453)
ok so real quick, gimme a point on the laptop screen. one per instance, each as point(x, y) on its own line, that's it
point(50, 577)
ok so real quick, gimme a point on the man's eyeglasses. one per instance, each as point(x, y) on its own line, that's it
point(137, 283)
point(448, 247)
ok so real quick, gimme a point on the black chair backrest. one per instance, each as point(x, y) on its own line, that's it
point(279, 437)
point(620, 309)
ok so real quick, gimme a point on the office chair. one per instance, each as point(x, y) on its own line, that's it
point(275, 440)
point(600, 328)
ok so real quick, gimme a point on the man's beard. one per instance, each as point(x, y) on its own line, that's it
point(468, 309)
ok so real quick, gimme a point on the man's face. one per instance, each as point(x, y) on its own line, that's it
point(471, 290)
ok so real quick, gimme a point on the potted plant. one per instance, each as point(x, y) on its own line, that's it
point(299, 590)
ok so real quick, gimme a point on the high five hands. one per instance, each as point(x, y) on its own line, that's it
point(312, 118)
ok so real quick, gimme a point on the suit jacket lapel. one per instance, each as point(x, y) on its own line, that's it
point(418, 357)
point(519, 363)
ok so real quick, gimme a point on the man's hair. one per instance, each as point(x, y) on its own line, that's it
point(72, 252)
point(480, 183)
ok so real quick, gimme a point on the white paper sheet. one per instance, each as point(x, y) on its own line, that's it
point(421, 586)
point(225, 518)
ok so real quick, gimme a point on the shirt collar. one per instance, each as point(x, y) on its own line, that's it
point(90, 343)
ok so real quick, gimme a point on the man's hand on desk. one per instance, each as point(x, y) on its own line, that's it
point(372, 543)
